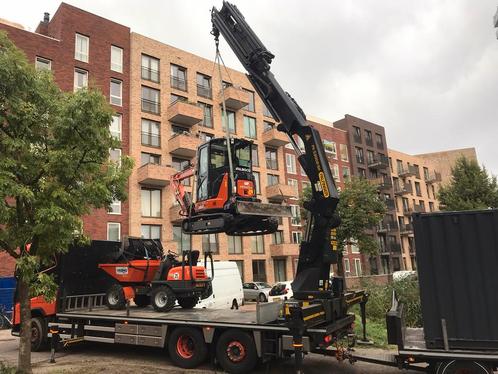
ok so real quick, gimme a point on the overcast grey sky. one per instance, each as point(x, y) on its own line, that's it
point(426, 70)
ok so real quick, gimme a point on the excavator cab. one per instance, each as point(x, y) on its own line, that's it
point(225, 203)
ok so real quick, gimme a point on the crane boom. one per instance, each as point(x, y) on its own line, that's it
point(319, 248)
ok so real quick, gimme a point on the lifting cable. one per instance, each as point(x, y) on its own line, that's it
point(224, 118)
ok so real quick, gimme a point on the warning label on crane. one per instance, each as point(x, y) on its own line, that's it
point(323, 182)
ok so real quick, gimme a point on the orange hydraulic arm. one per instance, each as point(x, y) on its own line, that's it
point(181, 195)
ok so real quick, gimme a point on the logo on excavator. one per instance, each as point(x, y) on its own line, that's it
point(323, 183)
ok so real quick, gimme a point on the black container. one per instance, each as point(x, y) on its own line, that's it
point(457, 257)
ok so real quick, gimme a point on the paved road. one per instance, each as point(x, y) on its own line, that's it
point(92, 357)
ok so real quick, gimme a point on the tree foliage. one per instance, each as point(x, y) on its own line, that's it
point(471, 187)
point(54, 167)
point(360, 208)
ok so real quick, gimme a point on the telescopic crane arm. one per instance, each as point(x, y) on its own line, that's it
point(319, 247)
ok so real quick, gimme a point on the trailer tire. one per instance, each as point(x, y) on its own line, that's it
point(162, 299)
point(460, 366)
point(187, 302)
point(141, 300)
point(262, 298)
point(38, 334)
point(187, 348)
point(236, 352)
point(115, 298)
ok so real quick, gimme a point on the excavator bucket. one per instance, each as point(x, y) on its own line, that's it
point(250, 218)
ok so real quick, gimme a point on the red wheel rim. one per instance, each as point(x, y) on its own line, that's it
point(185, 346)
point(236, 351)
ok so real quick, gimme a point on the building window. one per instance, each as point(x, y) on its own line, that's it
point(344, 152)
point(297, 237)
point(250, 107)
point(295, 215)
point(204, 86)
point(80, 79)
point(380, 142)
point(183, 241)
point(240, 266)
point(347, 268)
point(116, 59)
point(115, 207)
point(151, 203)
point(210, 243)
point(257, 244)
point(431, 206)
point(180, 164)
point(279, 265)
point(266, 112)
point(149, 158)
point(115, 156)
point(151, 101)
point(179, 77)
point(255, 156)
point(150, 68)
point(290, 163)
point(259, 270)
point(357, 134)
point(293, 183)
point(335, 172)
point(150, 231)
point(116, 92)
point(82, 45)
point(43, 63)
point(271, 158)
point(205, 137)
point(357, 267)
point(267, 126)
point(355, 248)
point(418, 191)
point(277, 237)
point(234, 245)
point(272, 179)
point(151, 133)
point(368, 138)
point(346, 173)
point(115, 128)
point(208, 114)
point(250, 127)
point(114, 231)
point(362, 173)
point(230, 119)
point(330, 148)
point(359, 155)
point(306, 185)
point(257, 182)
point(370, 157)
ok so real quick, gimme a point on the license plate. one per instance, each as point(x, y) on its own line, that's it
point(275, 299)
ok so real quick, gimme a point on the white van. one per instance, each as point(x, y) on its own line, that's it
point(227, 287)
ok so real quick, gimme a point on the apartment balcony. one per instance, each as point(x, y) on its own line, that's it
point(184, 113)
point(433, 177)
point(410, 171)
point(284, 249)
point(378, 162)
point(183, 145)
point(406, 229)
point(275, 138)
point(390, 204)
point(403, 189)
point(154, 175)
point(279, 192)
point(174, 214)
point(393, 247)
point(386, 226)
point(235, 98)
point(381, 183)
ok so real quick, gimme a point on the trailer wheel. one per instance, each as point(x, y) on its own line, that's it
point(463, 367)
point(114, 297)
point(236, 352)
point(163, 299)
point(187, 348)
point(187, 302)
point(262, 298)
point(38, 334)
point(141, 300)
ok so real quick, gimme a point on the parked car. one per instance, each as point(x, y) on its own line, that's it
point(256, 291)
point(227, 287)
point(281, 291)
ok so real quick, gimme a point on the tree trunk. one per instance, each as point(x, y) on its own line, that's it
point(24, 361)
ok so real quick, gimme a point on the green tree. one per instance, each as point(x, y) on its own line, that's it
point(360, 208)
point(54, 168)
point(471, 187)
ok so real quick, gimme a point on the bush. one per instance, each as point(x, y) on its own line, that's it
point(380, 300)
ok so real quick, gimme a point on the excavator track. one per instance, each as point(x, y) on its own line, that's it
point(233, 225)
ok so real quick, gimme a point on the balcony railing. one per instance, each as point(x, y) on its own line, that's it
point(408, 172)
point(406, 228)
point(204, 91)
point(150, 74)
point(382, 183)
point(150, 139)
point(393, 247)
point(390, 204)
point(178, 83)
point(151, 106)
point(378, 162)
point(387, 225)
point(403, 189)
point(418, 208)
point(433, 177)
